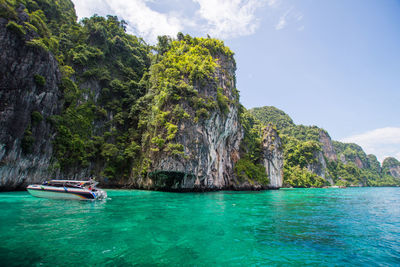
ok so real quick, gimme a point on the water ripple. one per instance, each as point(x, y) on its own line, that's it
point(324, 227)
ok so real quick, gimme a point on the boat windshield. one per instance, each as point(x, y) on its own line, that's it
point(70, 183)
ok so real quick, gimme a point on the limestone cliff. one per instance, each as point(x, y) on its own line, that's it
point(81, 100)
point(29, 95)
point(318, 165)
point(201, 149)
point(391, 166)
point(272, 156)
point(194, 136)
point(327, 154)
point(176, 129)
point(327, 146)
point(351, 153)
point(312, 159)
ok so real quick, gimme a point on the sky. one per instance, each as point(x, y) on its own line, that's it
point(332, 63)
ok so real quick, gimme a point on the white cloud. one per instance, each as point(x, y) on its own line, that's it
point(272, 2)
point(383, 142)
point(230, 18)
point(290, 15)
point(299, 16)
point(281, 23)
point(140, 17)
point(147, 22)
point(89, 7)
point(219, 18)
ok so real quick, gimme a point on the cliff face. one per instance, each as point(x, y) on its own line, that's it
point(319, 166)
point(328, 153)
point(327, 146)
point(173, 125)
point(395, 172)
point(210, 147)
point(272, 157)
point(374, 164)
point(29, 95)
point(352, 153)
point(312, 159)
point(194, 139)
point(391, 166)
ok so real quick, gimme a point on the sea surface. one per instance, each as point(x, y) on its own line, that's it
point(353, 226)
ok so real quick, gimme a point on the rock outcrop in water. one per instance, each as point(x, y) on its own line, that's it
point(210, 146)
point(198, 151)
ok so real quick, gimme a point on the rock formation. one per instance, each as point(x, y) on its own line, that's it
point(166, 117)
point(327, 146)
point(29, 95)
point(210, 146)
point(391, 166)
point(198, 151)
point(272, 154)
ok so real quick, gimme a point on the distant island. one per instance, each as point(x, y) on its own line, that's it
point(312, 158)
point(87, 99)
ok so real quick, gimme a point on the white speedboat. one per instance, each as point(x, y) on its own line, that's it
point(67, 189)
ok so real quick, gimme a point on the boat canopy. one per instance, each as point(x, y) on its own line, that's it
point(72, 182)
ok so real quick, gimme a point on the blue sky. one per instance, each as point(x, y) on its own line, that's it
point(333, 63)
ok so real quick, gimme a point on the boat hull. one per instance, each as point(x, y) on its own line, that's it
point(64, 193)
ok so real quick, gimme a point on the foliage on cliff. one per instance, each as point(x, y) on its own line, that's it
point(100, 125)
point(391, 168)
point(122, 98)
point(180, 69)
point(388, 163)
point(104, 76)
point(100, 54)
point(302, 145)
point(270, 114)
point(249, 167)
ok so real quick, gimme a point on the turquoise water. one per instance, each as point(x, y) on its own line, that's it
point(355, 226)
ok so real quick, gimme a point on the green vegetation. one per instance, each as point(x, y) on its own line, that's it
point(18, 29)
point(354, 167)
point(298, 156)
point(95, 126)
point(223, 101)
point(36, 117)
point(249, 167)
point(351, 152)
point(180, 68)
point(27, 141)
point(248, 171)
point(122, 98)
point(269, 114)
point(125, 101)
point(39, 79)
point(103, 129)
point(389, 163)
point(295, 176)
point(302, 146)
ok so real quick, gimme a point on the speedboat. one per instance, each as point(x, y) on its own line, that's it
point(67, 189)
